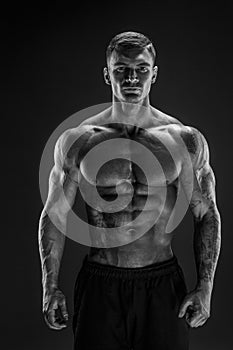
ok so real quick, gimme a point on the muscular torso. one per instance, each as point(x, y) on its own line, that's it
point(123, 179)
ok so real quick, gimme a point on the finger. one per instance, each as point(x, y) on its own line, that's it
point(193, 321)
point(184, 307)
point(64, 309)
point(51, 317)
point(54, 325)
point(51, 321)
point(201, 322)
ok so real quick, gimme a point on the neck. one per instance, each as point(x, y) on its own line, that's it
point(130, 112)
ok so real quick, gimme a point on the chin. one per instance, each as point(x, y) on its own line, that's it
point(134, 98)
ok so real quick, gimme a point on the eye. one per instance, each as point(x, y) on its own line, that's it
point(143, 69)
point(120, 69)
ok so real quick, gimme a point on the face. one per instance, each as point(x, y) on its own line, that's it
point(130, 75)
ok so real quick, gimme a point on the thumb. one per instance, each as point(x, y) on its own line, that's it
point(184, 307)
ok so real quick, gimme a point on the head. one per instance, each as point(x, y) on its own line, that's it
point(130, 66)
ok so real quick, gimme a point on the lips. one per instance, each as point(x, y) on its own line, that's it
point(131, 89)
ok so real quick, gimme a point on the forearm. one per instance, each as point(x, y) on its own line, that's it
point(207, 241)
point(51, 246)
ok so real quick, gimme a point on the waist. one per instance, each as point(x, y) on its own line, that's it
point(155, 269)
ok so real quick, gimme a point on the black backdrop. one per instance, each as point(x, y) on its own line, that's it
point(52, 67)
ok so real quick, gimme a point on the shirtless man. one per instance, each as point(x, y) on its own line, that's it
point(131, 295)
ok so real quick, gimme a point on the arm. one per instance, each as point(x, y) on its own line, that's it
point(52, 228)
point(207, 235)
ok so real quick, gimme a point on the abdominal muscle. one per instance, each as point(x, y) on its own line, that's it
point(133, 248)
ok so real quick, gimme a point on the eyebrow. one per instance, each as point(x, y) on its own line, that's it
point(125, 64)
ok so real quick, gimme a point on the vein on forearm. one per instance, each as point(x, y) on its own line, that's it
point(207, 244)
point(51, 245)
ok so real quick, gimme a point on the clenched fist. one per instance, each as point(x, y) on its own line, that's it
point(196, 308)
point(54, 308)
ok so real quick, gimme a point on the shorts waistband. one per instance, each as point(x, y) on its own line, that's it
point(155, 269)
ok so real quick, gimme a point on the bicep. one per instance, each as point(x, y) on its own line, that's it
point(62, 189)
point(201, 183)
point(203, 195)
point(55, 188)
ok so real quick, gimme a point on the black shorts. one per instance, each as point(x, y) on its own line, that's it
point(129, 308)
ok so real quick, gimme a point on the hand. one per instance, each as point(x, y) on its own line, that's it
point(196, 308)
point(54, 308)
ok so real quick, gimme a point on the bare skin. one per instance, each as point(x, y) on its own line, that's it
point(70, 170)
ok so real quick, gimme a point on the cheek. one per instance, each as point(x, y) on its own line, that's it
point(145, 79)
point(146, 83)
point(116, 88)
point(117, 77)
point(116, 82)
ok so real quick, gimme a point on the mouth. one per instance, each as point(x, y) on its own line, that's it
point(132, 90)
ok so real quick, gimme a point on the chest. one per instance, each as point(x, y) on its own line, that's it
point(110, 157)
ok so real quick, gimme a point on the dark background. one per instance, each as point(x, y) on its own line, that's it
point(52, 67)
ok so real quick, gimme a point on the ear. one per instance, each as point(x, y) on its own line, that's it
point(155, 72)
point(106, 76)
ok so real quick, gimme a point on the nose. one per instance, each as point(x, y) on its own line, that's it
point(132, 77)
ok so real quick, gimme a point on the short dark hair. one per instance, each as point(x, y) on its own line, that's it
point(128, 40)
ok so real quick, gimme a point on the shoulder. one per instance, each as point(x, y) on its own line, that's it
point(195, 141)
point(192, 137)
point(196, 144)
point(69, 144)
point(69, 137)
point(186, 136)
